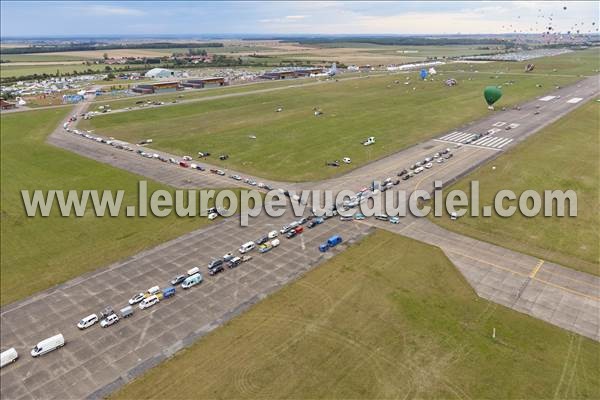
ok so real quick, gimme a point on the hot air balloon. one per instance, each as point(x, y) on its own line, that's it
point(492, 94)
point(423, 74)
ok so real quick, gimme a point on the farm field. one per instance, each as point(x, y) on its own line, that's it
point(294, 144)
point(406, 326)
point(38, 253)
point(563, 156)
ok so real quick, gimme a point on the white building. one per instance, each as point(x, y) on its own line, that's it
point(160, 73)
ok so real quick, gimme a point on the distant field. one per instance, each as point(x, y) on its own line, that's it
point(7, 70)
point(387, 318)
point(39, 57)
point(582, 62)
point(37, 253)
point(565, 155)
point(294, 144)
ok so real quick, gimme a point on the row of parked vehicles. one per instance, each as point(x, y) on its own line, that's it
point(185, 162)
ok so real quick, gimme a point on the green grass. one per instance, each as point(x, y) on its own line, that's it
point(294, 144)
point(563, 156)
point(37, 253)
point(194, 94)
point(387, 318)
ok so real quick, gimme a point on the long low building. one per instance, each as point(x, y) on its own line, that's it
point(200, 83)
point(158, 87)
point(294, 73)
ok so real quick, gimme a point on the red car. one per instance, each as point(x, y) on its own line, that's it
point(299, 229)
point(183, 164)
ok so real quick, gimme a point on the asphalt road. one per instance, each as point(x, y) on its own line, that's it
point(96, 361)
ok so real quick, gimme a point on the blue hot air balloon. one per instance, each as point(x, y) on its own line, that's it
point(423, 74)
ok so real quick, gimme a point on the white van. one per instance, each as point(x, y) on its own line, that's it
point(246, 247)
point(87, 321)
point(453, 216)
point(148, 302)
point(47, 345)
point(193, 271)
point(8, 356)
point(273, 234)
point(153, 290)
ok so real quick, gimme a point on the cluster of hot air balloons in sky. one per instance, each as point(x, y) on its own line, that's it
point(546, 24)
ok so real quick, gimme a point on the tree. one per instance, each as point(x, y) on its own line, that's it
point(105, 56)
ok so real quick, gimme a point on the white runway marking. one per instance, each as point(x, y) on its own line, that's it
point(574, 100)
point(499, 123)
point(547, 98)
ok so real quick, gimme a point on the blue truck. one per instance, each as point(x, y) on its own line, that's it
point(331, 242)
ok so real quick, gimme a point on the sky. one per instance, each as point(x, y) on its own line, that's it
point(85, 18)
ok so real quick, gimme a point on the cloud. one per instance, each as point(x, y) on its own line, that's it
point(295, 17)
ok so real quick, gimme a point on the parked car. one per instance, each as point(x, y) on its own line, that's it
point(137, 298)
point(262, 240)
point(263, 248)
point(216, 270)
point(273, 234)
point(148, 302)
point(403, 172)
point(153, 290)
point(227, 257)
point(395, 220)
point(88, 321)
point(347, 218)
point(381, 217)
point(359, 216)
point(291, 234)
point(179, 278)
point(110, 320)
point(234, 262)
point(246, 258)
point(215, 263)
point(428, 165)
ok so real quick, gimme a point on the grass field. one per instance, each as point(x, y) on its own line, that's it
point(37, 253)
point(565, 155)
point(294, 144)
point(387, 318)
point(193, 94)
